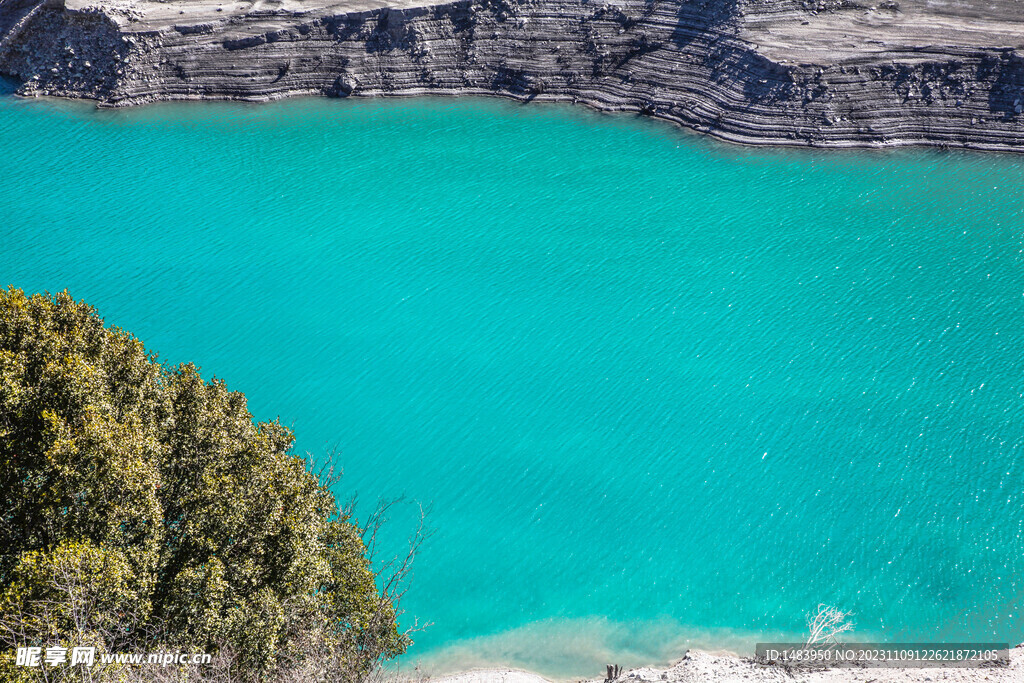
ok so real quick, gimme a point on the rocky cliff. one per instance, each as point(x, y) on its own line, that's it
point(811, 72)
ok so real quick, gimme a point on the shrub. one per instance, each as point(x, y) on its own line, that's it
point(142, 507)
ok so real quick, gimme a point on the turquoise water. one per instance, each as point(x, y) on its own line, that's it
point(660, 391)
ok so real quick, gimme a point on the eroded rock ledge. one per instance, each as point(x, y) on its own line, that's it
point(809, 72)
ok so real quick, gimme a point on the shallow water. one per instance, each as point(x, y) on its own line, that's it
point(660, 391)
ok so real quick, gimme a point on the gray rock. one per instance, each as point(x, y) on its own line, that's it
point(823, 73)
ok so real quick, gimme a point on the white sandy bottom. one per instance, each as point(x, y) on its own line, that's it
point(704, 667)
point(577, 649)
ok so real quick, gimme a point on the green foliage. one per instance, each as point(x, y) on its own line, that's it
point(75, 593)
point(154, 498)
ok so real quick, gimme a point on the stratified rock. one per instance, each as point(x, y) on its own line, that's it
point(810, 72)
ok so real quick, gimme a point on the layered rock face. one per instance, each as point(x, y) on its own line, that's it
point(809, 72)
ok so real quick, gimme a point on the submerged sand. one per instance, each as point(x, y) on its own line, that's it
point(705, 667)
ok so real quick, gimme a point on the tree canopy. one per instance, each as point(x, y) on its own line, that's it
point(143, 507)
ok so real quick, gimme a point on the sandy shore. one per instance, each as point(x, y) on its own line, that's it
point(704, 667)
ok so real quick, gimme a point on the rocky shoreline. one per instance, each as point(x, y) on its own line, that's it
point(835, 73)
point(706, 667)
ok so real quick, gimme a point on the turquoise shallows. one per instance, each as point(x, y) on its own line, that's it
point(660, 391)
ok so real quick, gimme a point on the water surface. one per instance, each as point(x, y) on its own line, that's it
point(660, 391)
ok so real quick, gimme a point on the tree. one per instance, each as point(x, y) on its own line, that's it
point(826, 624)
point(141, 505)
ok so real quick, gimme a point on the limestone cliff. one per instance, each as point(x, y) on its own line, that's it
point(812, 72)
